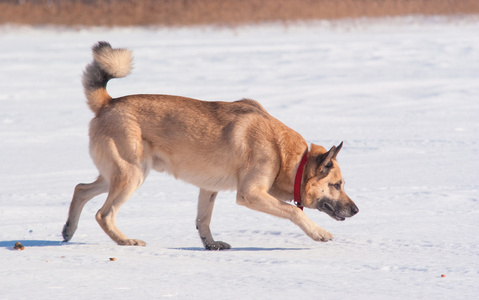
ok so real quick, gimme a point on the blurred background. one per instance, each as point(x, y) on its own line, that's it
point(215, 12)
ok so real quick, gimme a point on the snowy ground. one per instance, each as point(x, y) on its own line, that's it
point(402, 94)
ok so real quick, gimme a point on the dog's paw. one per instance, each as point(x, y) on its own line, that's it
point(67, 232)
point(131, 242)
point(217, 245)
point(321, 235)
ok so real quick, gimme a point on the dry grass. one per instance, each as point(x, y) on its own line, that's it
point(219, 12)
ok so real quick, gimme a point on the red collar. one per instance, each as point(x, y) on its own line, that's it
point(297, 181)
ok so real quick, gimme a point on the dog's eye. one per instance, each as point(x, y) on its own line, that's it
point(336, 186)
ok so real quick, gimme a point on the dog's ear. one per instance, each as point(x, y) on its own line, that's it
point(324, 161)
point(336, 151)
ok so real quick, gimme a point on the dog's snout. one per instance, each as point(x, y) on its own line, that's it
point(354, 209)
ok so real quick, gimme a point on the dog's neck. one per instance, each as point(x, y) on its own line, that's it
point(293, 149)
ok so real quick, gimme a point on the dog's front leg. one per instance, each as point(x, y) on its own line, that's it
point(264, 202)
point(206, 201)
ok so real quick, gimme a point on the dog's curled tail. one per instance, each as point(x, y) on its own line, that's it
point(107, 63)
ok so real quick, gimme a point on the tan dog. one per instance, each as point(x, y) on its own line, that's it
point(213, 145)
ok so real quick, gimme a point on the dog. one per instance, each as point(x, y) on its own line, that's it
point(213, 145)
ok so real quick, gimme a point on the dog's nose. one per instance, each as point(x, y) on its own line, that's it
point(354, 209)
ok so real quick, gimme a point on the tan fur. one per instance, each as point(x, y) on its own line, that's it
point(117, 62)
point(213, 145)
point(97, 94)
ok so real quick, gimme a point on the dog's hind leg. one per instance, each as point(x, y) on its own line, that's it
point(123, 184)
point(83, 193)
point(206, 201)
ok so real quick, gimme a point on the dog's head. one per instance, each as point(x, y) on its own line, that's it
point(323, 184)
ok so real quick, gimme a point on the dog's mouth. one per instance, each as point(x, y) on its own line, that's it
point(326, 206)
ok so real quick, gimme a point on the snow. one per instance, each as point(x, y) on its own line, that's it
point(401, 93)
